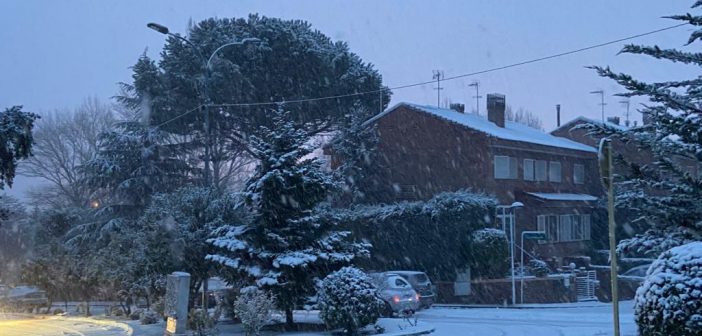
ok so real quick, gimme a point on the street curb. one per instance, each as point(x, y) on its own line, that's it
point(112, 323)
point(414, 333)
point(449, 306)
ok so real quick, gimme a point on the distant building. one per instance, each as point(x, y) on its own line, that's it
point(425, 150)
point(631, 153)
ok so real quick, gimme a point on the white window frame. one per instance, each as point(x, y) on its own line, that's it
point(541, 175)
point(499, 171)
point(554, 171)
point(579, 168)
point(564, 228)
point(528, 170)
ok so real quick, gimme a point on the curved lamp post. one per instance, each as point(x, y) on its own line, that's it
point(512, 225)
point(206, 68)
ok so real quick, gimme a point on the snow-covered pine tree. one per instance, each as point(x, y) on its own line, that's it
point(667, 194)
point(353, 147)
point(284, 248)
point(15, 143)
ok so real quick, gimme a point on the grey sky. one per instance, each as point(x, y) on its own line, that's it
point(56, 53)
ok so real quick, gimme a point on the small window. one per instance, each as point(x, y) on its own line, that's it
point(528, 170)
point(540, 171)
point(554, 171)
point(505, 167)
point(578, 173)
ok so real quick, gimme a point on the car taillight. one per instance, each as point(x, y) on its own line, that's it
point(396, 299)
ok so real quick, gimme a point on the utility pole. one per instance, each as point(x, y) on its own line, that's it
point(602, 103)
point(626, 103)
point(605, 162)
point(438, 75)
point(477, 97)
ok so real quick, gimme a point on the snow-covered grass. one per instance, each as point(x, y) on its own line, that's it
point(572, 319)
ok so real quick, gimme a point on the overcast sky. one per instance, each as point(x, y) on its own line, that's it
point(56, 53)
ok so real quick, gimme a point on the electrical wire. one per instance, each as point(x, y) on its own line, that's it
point(535, 60)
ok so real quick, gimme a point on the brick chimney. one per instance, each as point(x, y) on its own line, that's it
point(614, 120)
point(496, 108)
point(460, 108)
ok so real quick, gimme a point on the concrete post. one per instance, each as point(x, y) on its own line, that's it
point(177, 291)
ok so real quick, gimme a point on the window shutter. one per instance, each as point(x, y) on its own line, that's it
point(541, 226)
point(586, 227)
point(528, 170)
point(554, 171)
point(541, 171)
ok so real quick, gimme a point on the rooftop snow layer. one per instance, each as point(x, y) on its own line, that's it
point(512, 130)
point(571, 123)
point(563, 197)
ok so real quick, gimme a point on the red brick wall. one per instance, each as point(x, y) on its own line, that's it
point(420, 155)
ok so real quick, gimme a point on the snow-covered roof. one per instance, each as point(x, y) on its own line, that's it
point(563, 196)
point(572, 123)
point(512, 130)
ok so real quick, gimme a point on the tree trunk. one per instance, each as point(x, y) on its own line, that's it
point(49, 304)
point(289, 323)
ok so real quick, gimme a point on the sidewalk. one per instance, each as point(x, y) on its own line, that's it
point(526, 305)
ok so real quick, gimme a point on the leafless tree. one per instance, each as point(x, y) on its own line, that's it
point(64, 140)
point(524, 117)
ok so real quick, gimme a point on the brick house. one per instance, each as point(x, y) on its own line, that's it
point(424, 150)
point(630, 152)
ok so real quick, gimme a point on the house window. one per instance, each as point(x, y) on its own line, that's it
point(540, 170)
point(554, 171)
point(505, 167)
point(528, 170)
point(578, 173)
point(564, 228)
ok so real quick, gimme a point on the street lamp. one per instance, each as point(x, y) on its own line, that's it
point(512, 225)
point(206, 68)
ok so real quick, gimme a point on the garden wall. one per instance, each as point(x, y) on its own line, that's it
point(499, 291)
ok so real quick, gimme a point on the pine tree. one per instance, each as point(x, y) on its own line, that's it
point(15, 141)
point(284, 247)
point(353, 149)
point(666, 194)
point(15, 144)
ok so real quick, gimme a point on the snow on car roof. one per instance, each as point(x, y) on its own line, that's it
point(512, 130)
point(563, 196)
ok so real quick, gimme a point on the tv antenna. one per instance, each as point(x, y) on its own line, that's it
point(438, 75)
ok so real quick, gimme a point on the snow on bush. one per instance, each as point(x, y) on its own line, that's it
point(254, 308)
point(347, 299)
point(538, 268)
point(669, 302)
point(149, 317)
point(490, 255)
point(651, 244)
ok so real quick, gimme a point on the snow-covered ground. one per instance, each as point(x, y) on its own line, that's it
point(575, 319)
point(579, 319)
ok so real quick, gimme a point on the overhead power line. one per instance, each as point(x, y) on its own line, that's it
point(354, 94)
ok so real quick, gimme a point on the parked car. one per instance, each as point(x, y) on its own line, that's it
point(422, 285)
point(636, 273)
point(397, 293)
point(23, 298)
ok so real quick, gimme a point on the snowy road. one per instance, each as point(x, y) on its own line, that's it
point(585, 320)
point(50, 326)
